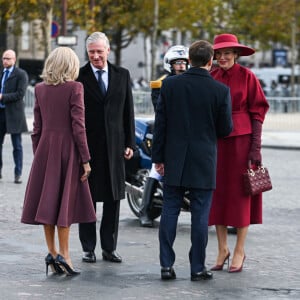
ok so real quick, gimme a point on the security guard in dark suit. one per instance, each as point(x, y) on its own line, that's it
point(13, 85)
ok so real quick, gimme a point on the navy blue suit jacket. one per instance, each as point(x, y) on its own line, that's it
point(193, 111)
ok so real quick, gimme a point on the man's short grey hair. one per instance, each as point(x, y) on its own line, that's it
point(96, 36)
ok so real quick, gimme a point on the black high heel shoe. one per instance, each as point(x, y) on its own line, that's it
point(66, 268)
point(49, 261)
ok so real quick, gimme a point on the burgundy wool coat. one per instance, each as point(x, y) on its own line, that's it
point(54, 193)
point(230, 205)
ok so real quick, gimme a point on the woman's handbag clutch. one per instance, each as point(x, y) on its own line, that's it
point(257, 181)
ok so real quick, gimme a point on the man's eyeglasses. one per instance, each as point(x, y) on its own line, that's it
point(6, 58)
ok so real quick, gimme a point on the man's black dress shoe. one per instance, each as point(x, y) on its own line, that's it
point(111, 256)
point(167, 273)
point(18, 179)
point(89, 257)
point(204, 275)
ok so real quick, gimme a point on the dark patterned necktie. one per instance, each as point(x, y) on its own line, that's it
point(101, 82)
point(5, 75)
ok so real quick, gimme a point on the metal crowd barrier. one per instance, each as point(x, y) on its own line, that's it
point(142, 101)
point(29, 97)
point(284, 112)
point(284, 104)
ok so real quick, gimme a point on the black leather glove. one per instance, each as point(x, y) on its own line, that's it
point(255, 150)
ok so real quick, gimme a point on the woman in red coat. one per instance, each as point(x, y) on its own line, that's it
point(57, 193)
point(230, 205)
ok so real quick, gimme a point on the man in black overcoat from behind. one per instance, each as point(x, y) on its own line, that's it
point(193, 111)
point(109, 118)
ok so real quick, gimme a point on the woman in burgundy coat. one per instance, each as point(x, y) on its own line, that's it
point(57, 193)
point(230, 205)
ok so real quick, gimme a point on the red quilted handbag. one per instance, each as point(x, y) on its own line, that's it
point(257, 181)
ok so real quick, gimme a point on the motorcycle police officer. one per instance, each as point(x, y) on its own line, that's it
point(175, 62)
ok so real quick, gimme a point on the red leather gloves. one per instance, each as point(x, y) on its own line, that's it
point(255, 150)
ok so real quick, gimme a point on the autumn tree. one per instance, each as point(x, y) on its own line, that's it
point(119, 19)
point(28, 10)
point(265, 21)
point(5, 5)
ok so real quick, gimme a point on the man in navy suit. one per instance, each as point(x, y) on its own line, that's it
point(13, 84)
point(109, 118)
point(193, 111)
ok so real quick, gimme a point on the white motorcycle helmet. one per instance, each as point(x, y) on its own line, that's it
point(174, 53)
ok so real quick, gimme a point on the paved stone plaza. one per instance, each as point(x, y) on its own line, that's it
point(271, 269)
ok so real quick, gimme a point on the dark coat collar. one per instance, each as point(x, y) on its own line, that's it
point(197, 71)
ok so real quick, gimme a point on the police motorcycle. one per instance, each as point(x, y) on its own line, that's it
point(144, 193)
point(138, 170)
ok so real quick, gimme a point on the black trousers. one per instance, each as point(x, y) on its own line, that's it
point(108, 229)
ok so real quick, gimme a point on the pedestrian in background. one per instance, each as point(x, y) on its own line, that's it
point(231, 206)
point(111, 139)
point(57, 193)
point(13, 82)
point(192, 112)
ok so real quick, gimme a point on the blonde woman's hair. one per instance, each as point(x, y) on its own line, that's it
point(61, 65)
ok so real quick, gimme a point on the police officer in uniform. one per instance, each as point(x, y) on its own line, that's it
point(175, 63)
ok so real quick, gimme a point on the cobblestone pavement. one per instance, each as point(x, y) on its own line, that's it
point(271, 269)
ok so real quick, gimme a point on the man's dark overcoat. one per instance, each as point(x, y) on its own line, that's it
point(15, 88)
point(193, 111)
point(110, 129)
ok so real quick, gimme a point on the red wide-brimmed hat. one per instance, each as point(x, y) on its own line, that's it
point(227, 40)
